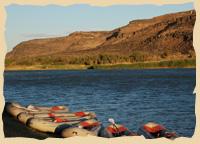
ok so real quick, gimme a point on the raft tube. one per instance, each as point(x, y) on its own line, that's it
point(75, 131)
point(14, 109)
point(153, 130)
point(47, 126)
point(48, 109)
point(88, 127)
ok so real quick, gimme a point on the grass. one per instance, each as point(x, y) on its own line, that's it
point(46, 67)
point(187, 63)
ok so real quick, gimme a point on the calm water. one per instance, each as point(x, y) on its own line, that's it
point(131, 97)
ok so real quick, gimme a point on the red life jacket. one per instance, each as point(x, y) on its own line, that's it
point(89, 123)
point(153, 127)
point(55, 108)
point(51, 115)
point(59, 120)
point(81, 114)
point(116, 129)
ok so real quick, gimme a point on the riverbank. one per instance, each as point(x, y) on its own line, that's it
point(190, 63)
point(13, 128)
point(187, 63)
point(45, 67)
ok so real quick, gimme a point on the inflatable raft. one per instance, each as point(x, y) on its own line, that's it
point(115, 130)
point(153, 130)
point(62, 123)
point(52, 117)
point(15, 109)
point(48, 126)
point(87, 127)
point(57, 120)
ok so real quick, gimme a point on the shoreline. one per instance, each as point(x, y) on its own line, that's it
point(148, 68)
point(10, 123)
point(173, 64)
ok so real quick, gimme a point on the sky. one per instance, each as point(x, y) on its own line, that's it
point(26, 22)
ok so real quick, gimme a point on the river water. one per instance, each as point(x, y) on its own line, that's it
point(131, 97)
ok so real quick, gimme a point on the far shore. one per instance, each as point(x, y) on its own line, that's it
point(188, 63)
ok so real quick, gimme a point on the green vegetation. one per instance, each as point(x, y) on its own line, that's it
point(187, 63)
point(101, 59)
point(47, 67)
point(81, 60)
point(136, 60)
point(139, 56)
point(145, 65)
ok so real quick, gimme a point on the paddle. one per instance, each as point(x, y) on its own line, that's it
point(112, 121)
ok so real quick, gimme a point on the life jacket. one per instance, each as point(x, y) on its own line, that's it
point(59, 120)
point(81, 114)
point(89, 124)
point(51, 115)
point(55, 108)
point(117, 129)
point(153, 127)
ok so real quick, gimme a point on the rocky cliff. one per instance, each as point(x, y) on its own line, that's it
point(164, 37)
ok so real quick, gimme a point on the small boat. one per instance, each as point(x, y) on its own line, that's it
point(15, 109)
point(88, 127)
point(48, 126)
point(57, 120)
point(66, 129)
point(116, 130)
point(153, 130)
point(53, 117)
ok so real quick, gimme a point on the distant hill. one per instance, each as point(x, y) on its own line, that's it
point(166, 37)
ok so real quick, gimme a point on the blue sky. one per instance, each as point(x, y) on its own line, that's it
point(25, 22)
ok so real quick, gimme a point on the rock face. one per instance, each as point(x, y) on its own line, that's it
point(168, 36)
point(77, 41)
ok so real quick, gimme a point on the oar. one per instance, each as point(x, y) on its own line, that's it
point(112, 121)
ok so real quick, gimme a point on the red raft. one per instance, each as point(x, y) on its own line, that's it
point(153, 130)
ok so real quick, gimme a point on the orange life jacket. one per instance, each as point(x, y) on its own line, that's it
point(55, 108)
point(89, 123)
point(153, 127)
point(59, 120)
point(51, 115)
point(81, 114)
point(116, 129)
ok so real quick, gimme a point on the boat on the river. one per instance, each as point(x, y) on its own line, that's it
point(58, 121)
point(15, 109)
point(54, 117)
point(152, 130)
point(116, 130)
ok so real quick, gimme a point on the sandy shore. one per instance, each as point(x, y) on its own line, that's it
point(13, 128)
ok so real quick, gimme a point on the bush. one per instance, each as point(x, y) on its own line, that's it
point(138, 56)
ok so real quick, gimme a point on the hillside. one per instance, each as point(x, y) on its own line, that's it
point(166, 37)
